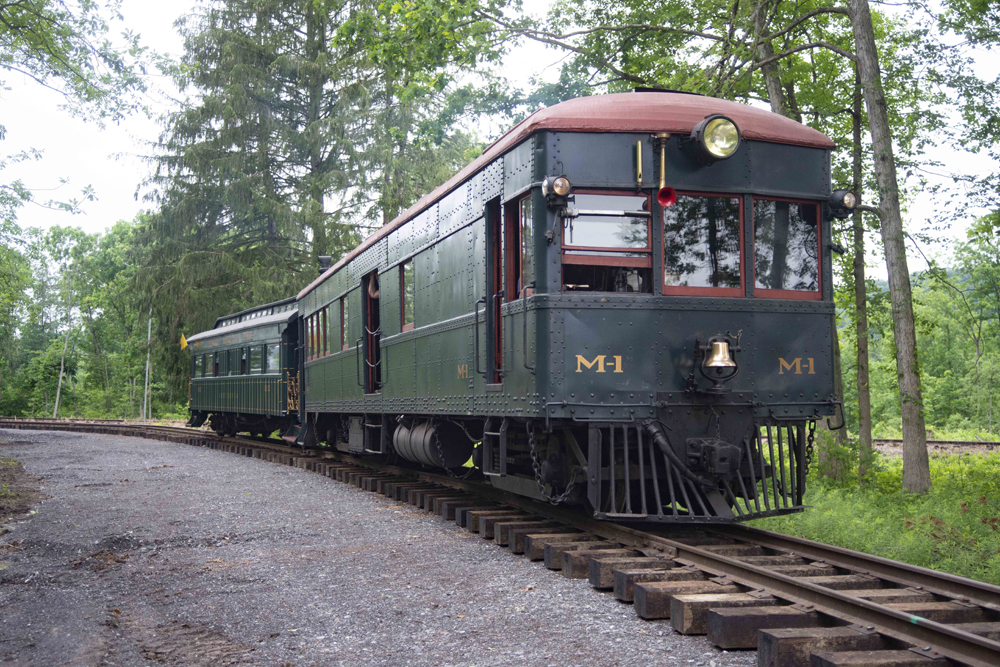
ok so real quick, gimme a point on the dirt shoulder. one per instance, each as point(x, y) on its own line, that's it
point(19, 491)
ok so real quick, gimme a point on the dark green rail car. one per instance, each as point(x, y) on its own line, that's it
point(600, 310)
point(241, 371)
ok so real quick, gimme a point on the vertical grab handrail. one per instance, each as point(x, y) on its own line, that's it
point(475, 319)
point(524, 334)
point(357, 361)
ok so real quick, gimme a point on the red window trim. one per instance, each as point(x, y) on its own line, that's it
point(588, 260)
point(701, 290)
point(606, 260)
point(403, 325)
point(797, 295)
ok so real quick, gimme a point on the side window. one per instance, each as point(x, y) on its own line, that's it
point(527, 249)
point(215, 365)
point(206, 361)
point(243, 361)
point(256, 359)
point(333, 327)
point(606, 245)
point(702, 246)
point(406, 295)
point(312, 336)
point(344, 324)
point(321, 334)
point(786, 249)
point(272, 359)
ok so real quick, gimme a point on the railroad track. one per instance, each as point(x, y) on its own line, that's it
point(796, 601)
point(898, 442)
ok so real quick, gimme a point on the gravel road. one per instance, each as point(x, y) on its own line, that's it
point(152, 553)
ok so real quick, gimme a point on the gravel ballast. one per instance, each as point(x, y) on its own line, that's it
point(148, 552)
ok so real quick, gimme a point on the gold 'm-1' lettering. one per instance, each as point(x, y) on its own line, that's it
point(599, 361)
point(796, 365)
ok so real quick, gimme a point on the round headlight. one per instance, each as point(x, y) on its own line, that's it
point(715, 138)
point(844, 200)
point(561, 186)
point(721, 137)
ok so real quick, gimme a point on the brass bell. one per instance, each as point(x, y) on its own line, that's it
point(718, 356)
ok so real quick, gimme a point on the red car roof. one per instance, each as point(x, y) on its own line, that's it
point(620, 112)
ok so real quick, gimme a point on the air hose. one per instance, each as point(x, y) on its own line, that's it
point(656, 432)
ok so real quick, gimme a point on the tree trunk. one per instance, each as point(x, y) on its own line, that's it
point(62, 360)
point(315, 45)
point(916, 467)
point(149, 336)
point(775, 93)
point(861, 299)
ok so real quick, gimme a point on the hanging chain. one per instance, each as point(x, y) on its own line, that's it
point(536, 466)
point(718, 423)
point(440, 453)
point(810, 443)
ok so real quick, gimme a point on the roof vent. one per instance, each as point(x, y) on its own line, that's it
point(325, 262)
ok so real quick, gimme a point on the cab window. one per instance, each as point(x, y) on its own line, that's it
point(786, 249)
point(606, 243)
point(702, 246)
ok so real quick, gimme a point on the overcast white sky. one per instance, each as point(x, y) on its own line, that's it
point(110, 160)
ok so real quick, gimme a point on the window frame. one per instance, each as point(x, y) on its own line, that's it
point(700, 290)
point(344, 343)
point(796, 295)
point(617, 258)
point(323, 349)
point(265, 366)
point(405, 326)
point(260, 350)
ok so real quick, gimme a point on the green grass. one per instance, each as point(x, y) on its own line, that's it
point(953, 528)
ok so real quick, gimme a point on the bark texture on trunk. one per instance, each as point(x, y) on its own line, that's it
point(62, 359)
point(772, 79)
point(861, 297)
point(916, 468)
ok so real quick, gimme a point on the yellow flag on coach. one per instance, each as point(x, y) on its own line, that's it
point(184, 342)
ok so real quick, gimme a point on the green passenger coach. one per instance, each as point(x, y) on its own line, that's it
point(244, 371)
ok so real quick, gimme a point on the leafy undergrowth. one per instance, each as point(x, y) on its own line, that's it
point(953, 528)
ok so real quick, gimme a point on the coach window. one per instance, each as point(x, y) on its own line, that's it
point(243, 361)
point(406, 295)
point(321, 337)
point(333, 327)
point(197, 367)
point(786, 249)
point(215, 365)
point(344, 330)
point(606, 245)
point(702, 238)
point(256, 359)
point(272, 359)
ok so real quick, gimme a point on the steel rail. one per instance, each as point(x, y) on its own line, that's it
point(946, 640)
point(941, 583)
